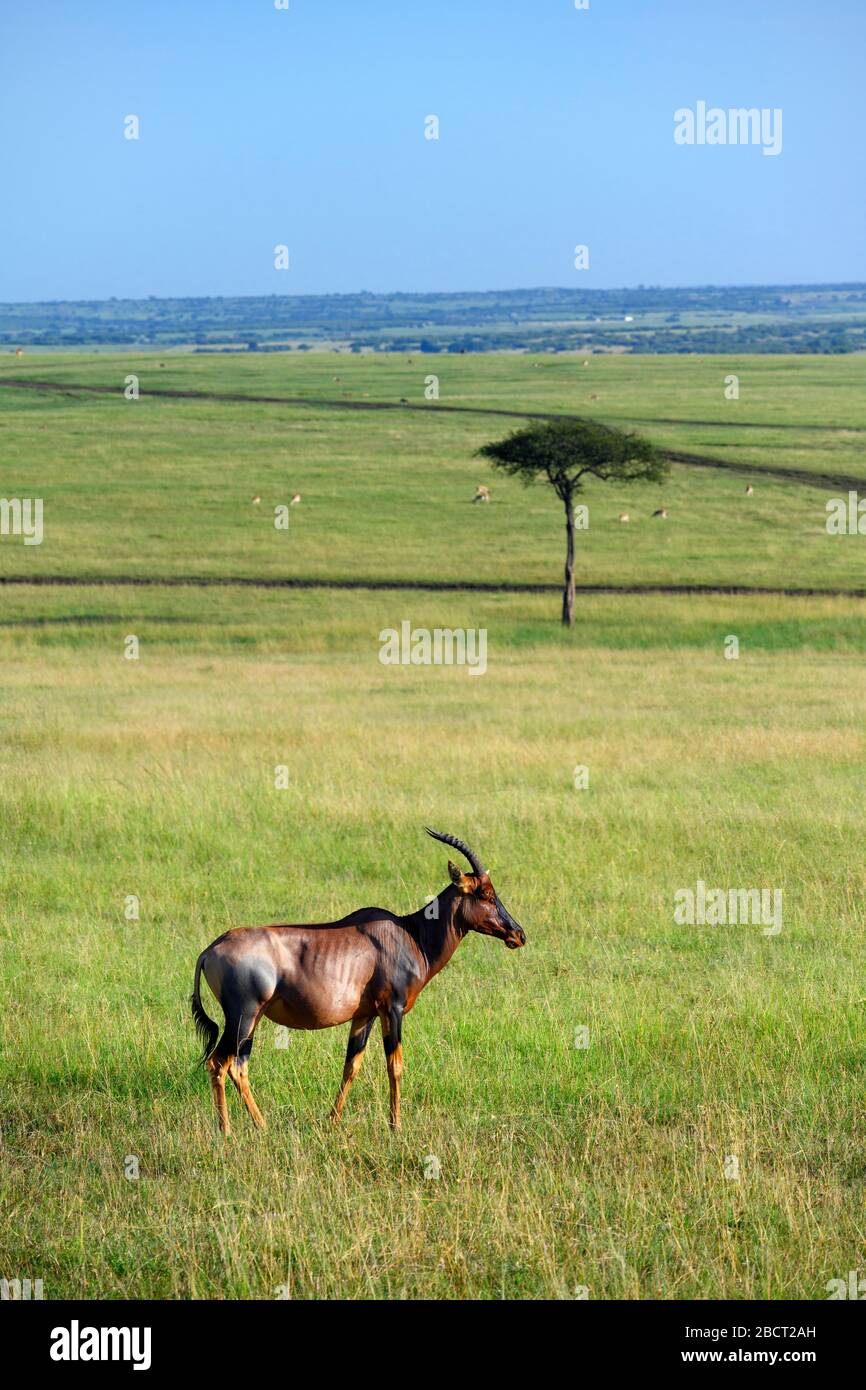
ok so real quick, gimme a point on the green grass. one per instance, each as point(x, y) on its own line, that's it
point(162, 487)
point(560, 1167)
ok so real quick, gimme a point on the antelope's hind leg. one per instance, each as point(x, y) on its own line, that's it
point(238, 1068)
point(392, 1038)
point(217, 1068)
point(358, 1035)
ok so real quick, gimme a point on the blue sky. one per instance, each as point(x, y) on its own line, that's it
point(306, 128)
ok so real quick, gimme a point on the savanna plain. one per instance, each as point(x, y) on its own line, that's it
point(563, 1169)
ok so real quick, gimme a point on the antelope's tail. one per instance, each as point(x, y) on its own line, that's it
point(205, 1027)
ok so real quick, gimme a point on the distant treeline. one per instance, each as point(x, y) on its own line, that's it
point(707, 319)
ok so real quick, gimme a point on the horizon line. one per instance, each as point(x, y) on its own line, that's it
point(428, 294)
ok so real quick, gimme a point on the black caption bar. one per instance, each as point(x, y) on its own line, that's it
point(140, 1339)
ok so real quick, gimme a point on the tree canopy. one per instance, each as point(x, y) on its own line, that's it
point(562, 452)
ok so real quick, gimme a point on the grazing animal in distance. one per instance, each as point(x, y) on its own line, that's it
point(593, 397)
point(749, 490)
point(662, 512)
point(296, 497)
point(482, 493)
point(403, 400)
point(371, 964)
point(624, 516)
point(256, 501)
point(586, 362)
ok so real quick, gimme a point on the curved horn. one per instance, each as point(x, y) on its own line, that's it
point(461, 845)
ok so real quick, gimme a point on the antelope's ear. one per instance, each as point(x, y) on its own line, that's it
point(459, 879)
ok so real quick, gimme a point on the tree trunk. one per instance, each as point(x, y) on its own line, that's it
point(568, 589)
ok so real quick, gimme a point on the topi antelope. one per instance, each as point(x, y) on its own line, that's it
point(371, 964)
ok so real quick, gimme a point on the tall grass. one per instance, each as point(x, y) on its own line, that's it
point(560, 1166)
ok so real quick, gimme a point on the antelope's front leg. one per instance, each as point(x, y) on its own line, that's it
point(392, 1034)
point(358, 1035)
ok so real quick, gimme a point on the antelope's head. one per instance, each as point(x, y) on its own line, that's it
point(478, 906)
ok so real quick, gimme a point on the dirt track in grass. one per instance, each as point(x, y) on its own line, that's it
point(833, 481)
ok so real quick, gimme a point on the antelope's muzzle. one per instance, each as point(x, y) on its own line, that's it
point(514, 934)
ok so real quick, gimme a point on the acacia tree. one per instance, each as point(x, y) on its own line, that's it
point(562, 453)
